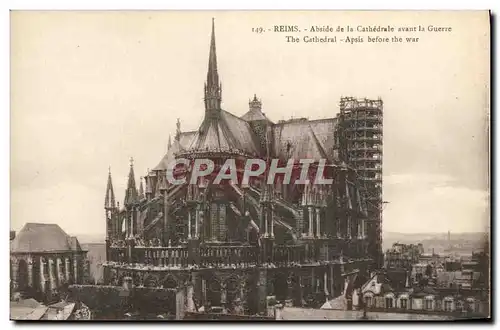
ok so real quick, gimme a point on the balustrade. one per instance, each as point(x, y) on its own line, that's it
point(118, 255)
point(161, 256)
point(289, 254)
point(226, 256)
point(237, 256)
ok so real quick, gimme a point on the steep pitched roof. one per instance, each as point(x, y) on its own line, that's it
point(226, 133)
point(380, 283)
point(43, 237)
point(185, 140)
point(324, 130)
point(300, 139)
point(254, 115)
point(74, 244)
point(244, 138)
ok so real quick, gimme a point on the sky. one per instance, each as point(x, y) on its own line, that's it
point(89, 90)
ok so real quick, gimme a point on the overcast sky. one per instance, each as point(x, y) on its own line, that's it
point(91, 89)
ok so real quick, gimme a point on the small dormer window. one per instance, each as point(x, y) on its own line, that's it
point(389, 302)
point(429, 303)
point(448, 305)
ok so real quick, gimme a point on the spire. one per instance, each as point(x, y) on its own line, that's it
point(109, 201)
point(161, 185)
point(212, 75)
point(213, 88)
point(131, 192)
point(177, 130)
point(141, 190)
point(169, 143)
point(149, 189)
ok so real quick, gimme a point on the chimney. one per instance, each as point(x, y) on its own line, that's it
point(12, 234)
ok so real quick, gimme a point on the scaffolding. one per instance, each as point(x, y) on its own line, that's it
point(361, 122)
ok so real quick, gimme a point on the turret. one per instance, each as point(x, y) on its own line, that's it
point(110, 207)
point(141, 190)
point(149, 188)
point(109, 200)
point(131, 195)
point(177, 130)
point(161, 185)
point(255, 104)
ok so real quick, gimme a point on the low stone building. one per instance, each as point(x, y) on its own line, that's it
point(381, 293)
point(44, 259)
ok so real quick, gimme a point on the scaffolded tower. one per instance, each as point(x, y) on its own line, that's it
point(362, 123)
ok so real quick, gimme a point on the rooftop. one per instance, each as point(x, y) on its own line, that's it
point(43, 237)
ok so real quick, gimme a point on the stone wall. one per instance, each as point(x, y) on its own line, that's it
point(115, 300)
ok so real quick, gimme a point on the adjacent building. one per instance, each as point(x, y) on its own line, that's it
point(383, 294)
point(43, 259)
point(403, 256)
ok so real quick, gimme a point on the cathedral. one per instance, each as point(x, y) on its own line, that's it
point(241, 246)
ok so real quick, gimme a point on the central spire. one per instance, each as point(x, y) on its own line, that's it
point(213, 88)
point(212, 75)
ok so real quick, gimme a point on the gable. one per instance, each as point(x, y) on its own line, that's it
point(43, 237)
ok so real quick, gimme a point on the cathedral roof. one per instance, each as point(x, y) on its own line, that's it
point(300, 139)
point(221, 131)
point(254, 115)
point(244, 138)
point(227, 132)
point(185, 140)
point(43, 237)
